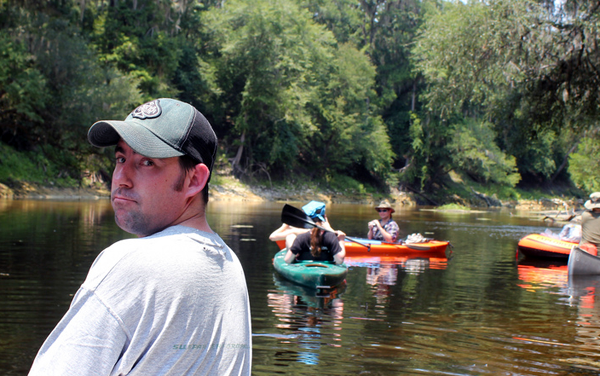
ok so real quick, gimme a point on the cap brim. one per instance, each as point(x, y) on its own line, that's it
point(143, 141)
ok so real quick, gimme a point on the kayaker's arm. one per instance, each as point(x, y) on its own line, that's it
point(282, 232)
point(387, 237)
point(371, 225)
point(339, 257)
point(290, 257)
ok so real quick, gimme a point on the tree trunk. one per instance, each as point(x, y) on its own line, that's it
point(235, 163)
point(564, 162)
point(82, 10)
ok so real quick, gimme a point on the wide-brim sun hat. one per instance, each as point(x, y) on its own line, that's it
point(315, 210)
point(593, 202)
point(385, 204)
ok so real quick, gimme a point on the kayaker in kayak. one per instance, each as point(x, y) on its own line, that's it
point(590, 225)
point(317, 245)
point(385, 228)
point(289, 233)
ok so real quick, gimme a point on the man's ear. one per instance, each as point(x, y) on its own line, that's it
point(198, 177)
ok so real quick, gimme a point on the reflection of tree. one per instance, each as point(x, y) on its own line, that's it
point(308, 315)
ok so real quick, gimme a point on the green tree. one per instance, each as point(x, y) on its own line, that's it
point(389, 29)
point(384, 29)
point(53, 87)
point(474, 151)
point(429, 162)
point(522, 65)
point(141, 38)
point(351, 138)
point(291, 100)
point(584, 163)
point(23, 93)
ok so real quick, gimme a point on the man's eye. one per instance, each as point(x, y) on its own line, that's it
point(120, 159)
point(147, 162)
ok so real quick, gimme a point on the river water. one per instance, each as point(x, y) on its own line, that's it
point(477, 311)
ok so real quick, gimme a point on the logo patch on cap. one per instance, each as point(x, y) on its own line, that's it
point(148, 110)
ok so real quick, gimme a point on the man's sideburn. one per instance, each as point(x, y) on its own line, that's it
point(186, 164)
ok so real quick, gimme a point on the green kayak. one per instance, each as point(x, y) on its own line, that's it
point(313, 274)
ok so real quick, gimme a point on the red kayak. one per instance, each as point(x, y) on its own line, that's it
point(367, 247)
point(541, 246)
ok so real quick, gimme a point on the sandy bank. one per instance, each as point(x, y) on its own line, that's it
point(556, 209)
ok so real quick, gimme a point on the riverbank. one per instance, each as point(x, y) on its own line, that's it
point(231, 189)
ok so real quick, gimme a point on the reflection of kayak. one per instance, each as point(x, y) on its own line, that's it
point(313, 274)
point(542, 275)
point(583, 263)
point(304, 295)
point(403, 262)
point(369, 247)
point(542, 246)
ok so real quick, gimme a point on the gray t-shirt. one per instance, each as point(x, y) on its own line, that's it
point(174, 303)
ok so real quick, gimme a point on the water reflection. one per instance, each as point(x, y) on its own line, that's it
point(585, 294)
point(307, 316)
point(382, 272)
point(46, 248)
point(478, 312)
point(381, 277)
point(542, 274)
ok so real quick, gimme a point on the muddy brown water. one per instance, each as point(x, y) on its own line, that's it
point(478, 311)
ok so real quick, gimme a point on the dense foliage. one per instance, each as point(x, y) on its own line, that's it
point(502, 91)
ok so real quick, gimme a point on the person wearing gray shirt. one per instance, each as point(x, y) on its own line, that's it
point(174, 301)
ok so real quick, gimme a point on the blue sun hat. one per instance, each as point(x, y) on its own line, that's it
point(315, 210)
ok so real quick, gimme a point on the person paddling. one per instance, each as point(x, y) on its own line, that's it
point(288, 233)
point(590, 225)
point(317, 245)
point(384, 228)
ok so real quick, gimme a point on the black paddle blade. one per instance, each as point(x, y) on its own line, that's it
point(296, 217)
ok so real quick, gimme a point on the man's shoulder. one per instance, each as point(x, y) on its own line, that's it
point(171, 248)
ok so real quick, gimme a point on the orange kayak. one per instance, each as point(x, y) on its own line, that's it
point(369, 247)
point(541, 246)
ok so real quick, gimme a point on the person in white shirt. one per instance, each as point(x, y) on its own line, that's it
point(174, 301)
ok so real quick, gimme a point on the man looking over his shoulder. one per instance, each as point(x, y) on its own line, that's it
point(173, 301)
